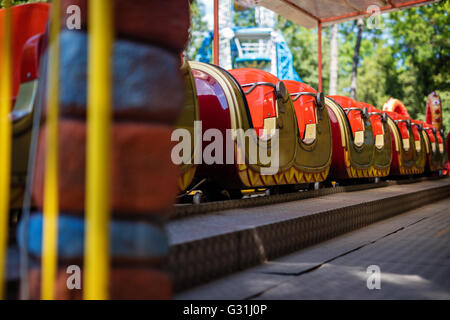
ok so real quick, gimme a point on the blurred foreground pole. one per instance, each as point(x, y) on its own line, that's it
point(51, 195)
point(5, 144)
point(97, 256)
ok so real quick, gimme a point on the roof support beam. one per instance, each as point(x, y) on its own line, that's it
point(319, 58)
point(291, 11)
point(393, 5)
point(289, 2)
point(362, 14)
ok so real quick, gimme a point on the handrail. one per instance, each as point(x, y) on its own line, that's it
point(256, 84)
point(408, 122)
point(5, 144)
point(364, 112)
point(419, 126)
point(51, 195)
point(384, 116)
point(297, 95)
point(97, 255)
point(280, 89)
point(320, 98)
point(432, 129)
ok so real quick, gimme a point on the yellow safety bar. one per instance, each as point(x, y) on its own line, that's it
point(99, 117)
point(51, 203)
point(5, 144)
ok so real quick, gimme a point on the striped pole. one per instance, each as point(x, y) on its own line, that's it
point(99, 119)
point(51, 203)
point(5, 143)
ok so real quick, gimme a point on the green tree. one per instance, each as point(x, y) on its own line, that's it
point(406, 58)
point(198, 28)
point(3, 3)
point(423, 50)
point(245, 18)
point(303, 44)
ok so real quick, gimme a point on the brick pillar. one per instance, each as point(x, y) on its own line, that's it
point(149, 94)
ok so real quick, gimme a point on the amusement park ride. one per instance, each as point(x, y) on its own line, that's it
point(261, 46)
point(63, 107)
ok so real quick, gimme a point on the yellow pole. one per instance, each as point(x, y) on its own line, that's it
point(51, 203)
point(5, 143)
point(99, 118)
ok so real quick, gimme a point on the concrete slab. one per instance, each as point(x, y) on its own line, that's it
point(204, 248)
point(227, 221)
point(412, 251)
point(301, 261)
point(234, 287)
point(349, 282)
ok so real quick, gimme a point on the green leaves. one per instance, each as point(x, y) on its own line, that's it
point(198, 28)
point(407, 58)
point(3, 3)
point(423, 49)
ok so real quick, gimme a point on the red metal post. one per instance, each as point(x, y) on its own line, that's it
point(216, 32)
point(320, 54)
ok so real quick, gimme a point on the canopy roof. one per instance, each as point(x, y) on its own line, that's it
point(308, 13)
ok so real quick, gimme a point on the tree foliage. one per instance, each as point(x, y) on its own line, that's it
point(199, 27)
point(422, 45)
point(4, 3)
point(406, 57)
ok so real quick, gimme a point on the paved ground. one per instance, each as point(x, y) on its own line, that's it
point(229, 221)
point(412, 251)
